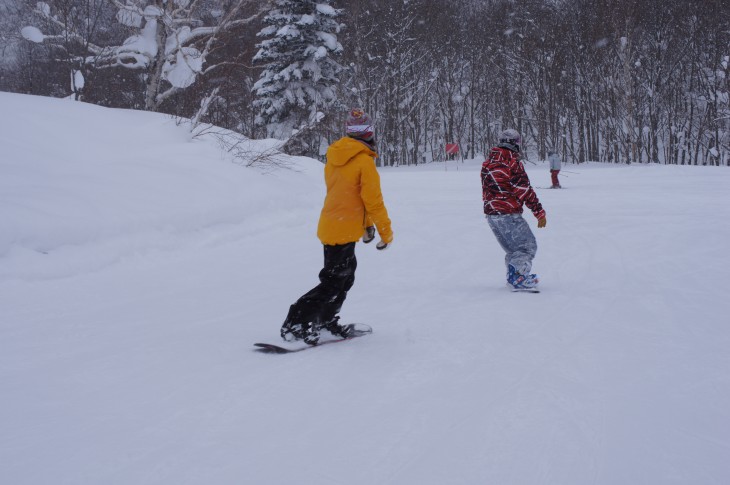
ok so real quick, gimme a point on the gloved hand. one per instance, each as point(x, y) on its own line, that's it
point(542, 222)
point(369, 234)
point(383, 245)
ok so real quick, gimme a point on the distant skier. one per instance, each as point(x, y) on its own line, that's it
point(505, 188)
point(353, 204)
point(554, 169)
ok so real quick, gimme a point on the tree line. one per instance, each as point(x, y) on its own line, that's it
point(616, 81)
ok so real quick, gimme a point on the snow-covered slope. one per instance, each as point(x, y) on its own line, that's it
point(137, 267)
point(83, 185)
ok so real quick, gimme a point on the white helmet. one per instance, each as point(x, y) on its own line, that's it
point(511, 139)
point(510, 136)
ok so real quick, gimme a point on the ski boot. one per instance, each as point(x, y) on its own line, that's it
point(311, 334)
point(518, 281)
point(291, 332)
point(337, 330)
point(300, 331)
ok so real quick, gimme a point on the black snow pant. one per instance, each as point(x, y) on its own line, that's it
point(322, 303)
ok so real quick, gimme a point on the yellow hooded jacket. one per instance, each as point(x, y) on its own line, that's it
point(353, 199)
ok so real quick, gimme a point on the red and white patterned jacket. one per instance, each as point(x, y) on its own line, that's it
point(505, 185)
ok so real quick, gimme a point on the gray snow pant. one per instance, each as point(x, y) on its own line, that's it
point(514, 235)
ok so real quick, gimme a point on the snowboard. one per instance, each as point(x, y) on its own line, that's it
point(525, 290)
point(354, 330)
point(522, 290)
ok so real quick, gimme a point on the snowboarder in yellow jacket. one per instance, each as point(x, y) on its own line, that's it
point(353, 209)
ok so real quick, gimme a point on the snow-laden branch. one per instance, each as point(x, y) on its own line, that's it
point(170, 41)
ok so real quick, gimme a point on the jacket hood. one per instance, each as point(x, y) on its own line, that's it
point(345, 149)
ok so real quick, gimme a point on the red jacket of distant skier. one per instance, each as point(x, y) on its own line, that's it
point(505, 185)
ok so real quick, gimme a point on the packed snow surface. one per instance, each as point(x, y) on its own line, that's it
point(138, 265)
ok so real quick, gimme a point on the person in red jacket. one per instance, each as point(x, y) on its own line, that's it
point(505, 189)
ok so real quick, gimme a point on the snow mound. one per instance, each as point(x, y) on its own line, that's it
point(99, 184)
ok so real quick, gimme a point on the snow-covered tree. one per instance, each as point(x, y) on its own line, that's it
point(70, 29)
point(170, 40)
point(606, 80)
point(299, 80)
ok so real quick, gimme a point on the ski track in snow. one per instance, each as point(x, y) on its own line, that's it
point(140, 368)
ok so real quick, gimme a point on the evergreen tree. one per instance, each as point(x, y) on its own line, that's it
point(300, 73)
